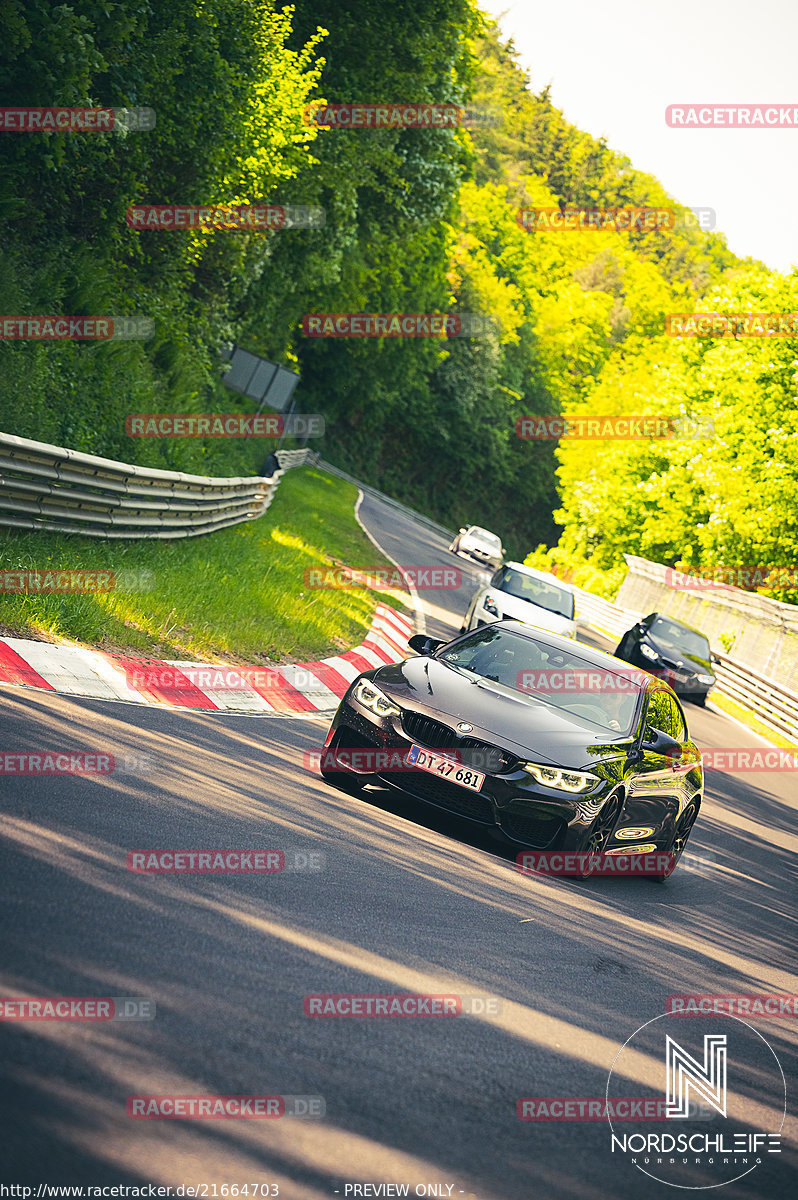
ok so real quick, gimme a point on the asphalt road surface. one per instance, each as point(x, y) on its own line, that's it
point(382, 897)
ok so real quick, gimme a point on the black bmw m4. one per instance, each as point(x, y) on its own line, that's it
point(556, 745)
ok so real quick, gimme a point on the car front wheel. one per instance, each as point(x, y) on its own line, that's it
point(682, 832)
point(601, 830)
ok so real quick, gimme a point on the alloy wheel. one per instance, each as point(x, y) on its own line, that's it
point(604, 825)
point(602, 829)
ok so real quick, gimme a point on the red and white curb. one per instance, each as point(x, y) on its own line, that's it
point(294, 688)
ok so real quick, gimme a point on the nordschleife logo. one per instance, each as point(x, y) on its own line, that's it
point(725, 1102)
point(707, 1079)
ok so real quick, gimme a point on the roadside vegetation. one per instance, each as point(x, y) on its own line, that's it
point(241, 594)
point(417, 220)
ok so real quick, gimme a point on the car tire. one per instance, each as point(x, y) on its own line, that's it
point(684, 827)
point(602, 829)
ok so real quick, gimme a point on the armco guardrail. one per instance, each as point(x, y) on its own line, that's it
point(297, 458)
point(774, 705)
point(602, 614)
point(48, 487)
point(771, 702)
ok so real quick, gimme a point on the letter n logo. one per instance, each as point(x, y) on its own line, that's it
point(708, 1081)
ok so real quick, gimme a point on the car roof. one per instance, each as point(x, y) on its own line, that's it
point(482, 529)
point(592, 656)
point(536, 574)
point(681, 624)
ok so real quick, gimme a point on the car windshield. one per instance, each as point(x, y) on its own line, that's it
point(671, 634)
point(596, 696)
point(538, 591)
point(484, 535)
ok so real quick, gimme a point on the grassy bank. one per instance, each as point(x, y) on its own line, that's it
point(238, 595)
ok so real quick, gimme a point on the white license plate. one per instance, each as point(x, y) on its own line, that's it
point(445, 768)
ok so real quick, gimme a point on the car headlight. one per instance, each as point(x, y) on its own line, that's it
point(489, 605)
point(371, 697)
point(564, 781)
point(705, 678)
point(647, 652)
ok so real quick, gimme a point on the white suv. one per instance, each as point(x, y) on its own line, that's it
point(520, 593)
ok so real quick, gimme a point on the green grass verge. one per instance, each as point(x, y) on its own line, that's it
point(239, 594)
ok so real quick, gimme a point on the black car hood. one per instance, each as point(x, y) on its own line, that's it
point(701, 665)
point(528, 728)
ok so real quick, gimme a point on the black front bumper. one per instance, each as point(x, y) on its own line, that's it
point(523, 810)
point(687, 689)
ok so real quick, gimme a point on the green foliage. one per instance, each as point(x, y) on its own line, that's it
point(416, 221)
point(229, 95)
point(724, 498)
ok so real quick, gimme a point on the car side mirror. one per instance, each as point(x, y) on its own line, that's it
point(423, 644)
point(713, 657)
point(663, 744)
point(462, 530)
